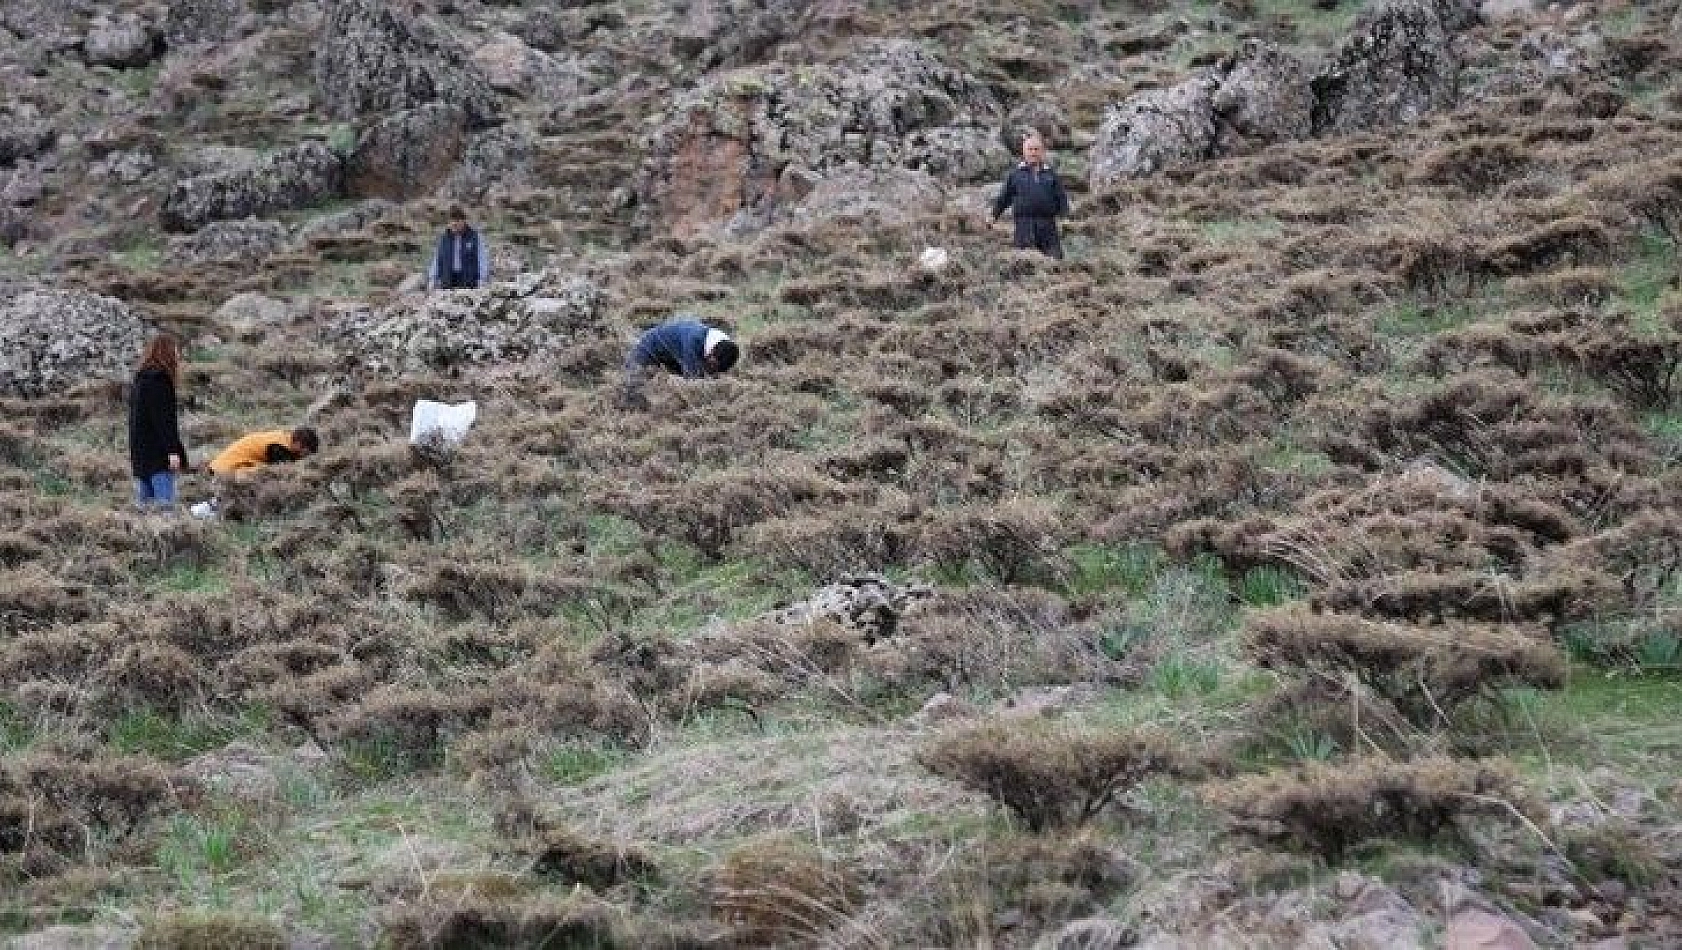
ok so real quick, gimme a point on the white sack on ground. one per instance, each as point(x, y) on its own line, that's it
point(440, 423)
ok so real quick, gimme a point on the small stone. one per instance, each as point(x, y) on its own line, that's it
point(1482, 930)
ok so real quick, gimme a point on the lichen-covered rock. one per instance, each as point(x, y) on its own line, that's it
point(722, 149)
point(714, 33)
point(373, 60)
point(202, 21)
point(531, 318)
point(889, 195)
point(868, 603)
point(1396, 66)
point(250, 314)
point(510, 66)
point(303, 175)
point(226, 242)
point(408, 154)
point(53, 340)
point(1264, 96)
point(24, 132)
point(125, 42)
point(1155, 130)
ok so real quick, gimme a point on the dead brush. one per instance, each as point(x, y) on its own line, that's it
point(777, 891)
point(833, 544)
point(1013, 543)
point(1051, 777)
point(707, 512)
point(1329, 808)
point(33, 599)
point(152, 675)
point(210, 930)
point(1426, 673)
point(107, 799)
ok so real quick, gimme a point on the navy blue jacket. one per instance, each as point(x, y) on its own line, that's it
point(1036, 192)
point(677, 346)
point(153, 432)
point(474, 258)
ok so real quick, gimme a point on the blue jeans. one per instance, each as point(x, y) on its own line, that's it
point(156, 490)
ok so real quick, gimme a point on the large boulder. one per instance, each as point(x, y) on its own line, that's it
point(202, 21)
point(124, 42)
point(886, 195)
point(230, 242)
point(532, 318)
point(408, 154)
point(373, 60)
point(510, 66)
point(53, 340)
point(296, 177)
point(1397, 65)
point(723, 148)
point(1257, 96)
point(24, 132)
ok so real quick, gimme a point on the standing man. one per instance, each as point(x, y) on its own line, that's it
point(461, 261)
point(1036, 197)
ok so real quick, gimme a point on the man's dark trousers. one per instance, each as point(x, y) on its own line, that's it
point(1039, 234)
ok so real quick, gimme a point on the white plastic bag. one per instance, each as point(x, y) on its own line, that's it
point(440, 424)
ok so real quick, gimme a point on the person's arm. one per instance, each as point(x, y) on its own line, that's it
point(484, 263)
point(1062, 196)
point(1007, 195)
point(158, 398)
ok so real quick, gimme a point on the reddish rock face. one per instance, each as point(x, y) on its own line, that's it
point(707, 179)
point(408, 154)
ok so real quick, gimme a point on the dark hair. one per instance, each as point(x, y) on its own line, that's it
point(456, 214)
point(162, 352)
point(306, 439)
point(725, 353)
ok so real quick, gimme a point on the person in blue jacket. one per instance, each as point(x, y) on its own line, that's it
point(683, 346)
point(1036, 197)
point(461, 261)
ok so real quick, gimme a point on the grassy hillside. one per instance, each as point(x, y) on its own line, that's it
point(1305, 546)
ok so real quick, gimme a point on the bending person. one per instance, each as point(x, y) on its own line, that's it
point(685, 347)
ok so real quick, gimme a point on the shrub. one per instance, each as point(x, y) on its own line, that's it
point(1012, 543)
point(562, 856)
point(479, 921)
point(1425, 672)
point(1327, 808)
point(1050, 777)
point(781, 891)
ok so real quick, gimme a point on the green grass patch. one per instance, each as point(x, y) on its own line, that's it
point(148, 732)
point(1269, 586)
point(1648, 283)
point(1239, 230)
point(1179, 676)
point(191, 579)
point(1416, 319)
point(1624, 720)
point(575, 765)
point(1097, 569)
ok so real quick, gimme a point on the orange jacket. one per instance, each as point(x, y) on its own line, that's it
point(250, 451)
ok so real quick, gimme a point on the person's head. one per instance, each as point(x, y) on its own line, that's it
point(162, 352)
point(305, 442)
point(1033, 148)
point(458, 220)
point(721, 352)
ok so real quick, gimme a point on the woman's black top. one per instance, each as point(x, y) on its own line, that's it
point(153, 434)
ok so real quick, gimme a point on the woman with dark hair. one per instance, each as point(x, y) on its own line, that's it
point(155, 451)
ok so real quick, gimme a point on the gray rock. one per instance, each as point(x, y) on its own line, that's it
point(531, 318)
point(344, 221)
point(1044, 116)
point(296, 177)
point(249, 314)
point(727, 33)
point(202, 21)
point(24, 132)
point(409, 154)
point(869, 603)
point(247, 242)
point(372, 60)
point(54, 340)
point(722, 149)
point(125, 42)
point(1156, 130)
point(498, 157)
point(24, 187)
point(890, 195)
point(125, 166)
point(1263, 97)
point(1397, 65)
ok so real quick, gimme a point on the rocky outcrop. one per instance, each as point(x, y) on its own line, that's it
point(408, 154)
point(125, 42)
point(24, 132)
point(231, 242)
point(1398, 65)
point(512, 67)
point(297, 177)
point(726, 149)
point(373, 60)
point(888, 195)
point(533, 317)
point(714, 33)
point(250, 315)
point(53, 340)
point(202, 21)
point(868, 603)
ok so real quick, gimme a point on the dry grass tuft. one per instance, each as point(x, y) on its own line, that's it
point(780, 890)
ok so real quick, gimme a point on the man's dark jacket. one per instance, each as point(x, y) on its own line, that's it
point(1034, 192)
point(677, 346)
point(153, 432)
point(472, 260)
